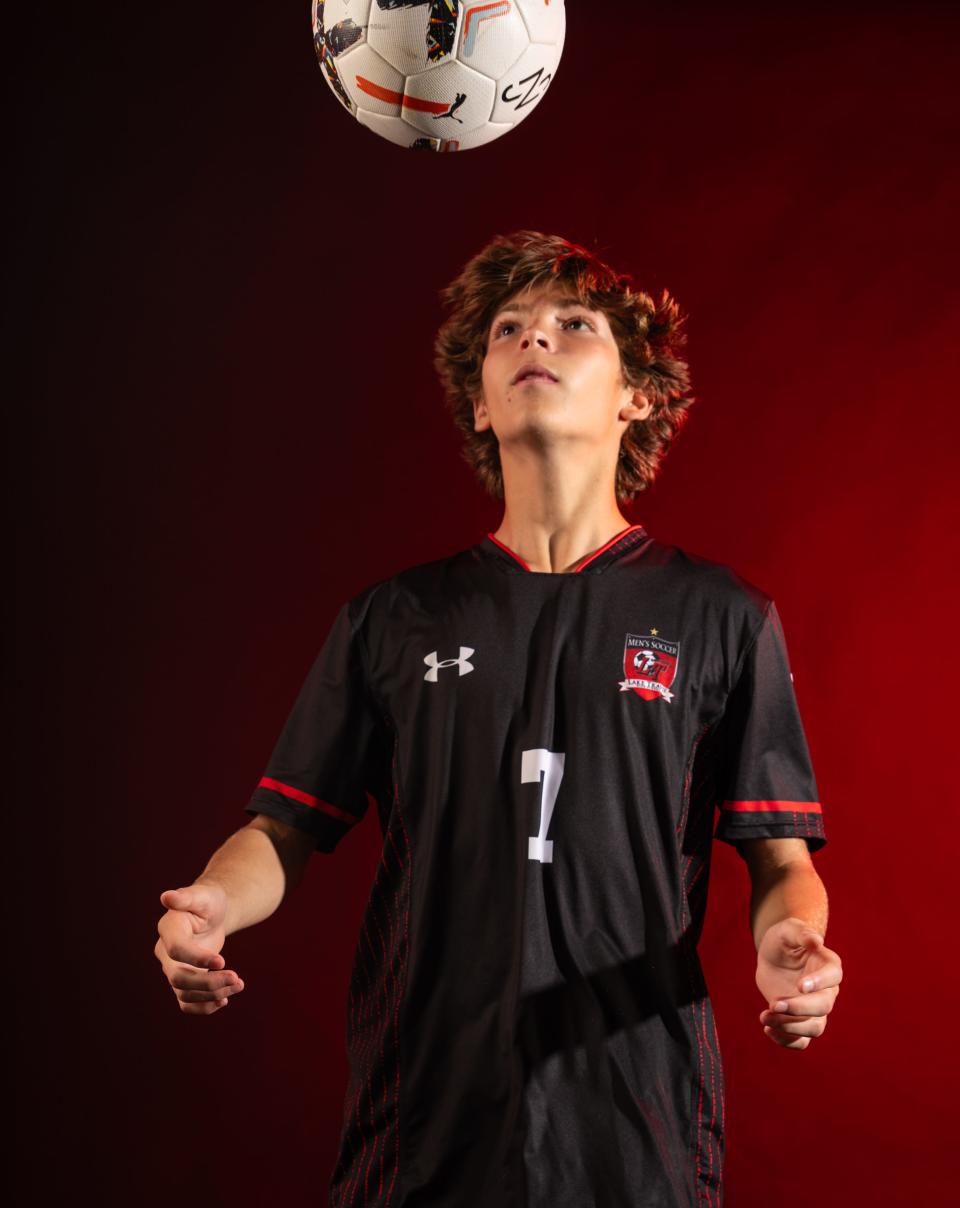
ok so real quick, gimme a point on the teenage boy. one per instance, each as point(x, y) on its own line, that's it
point(547, 721)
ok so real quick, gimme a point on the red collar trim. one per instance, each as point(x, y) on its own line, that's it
point(586, 562)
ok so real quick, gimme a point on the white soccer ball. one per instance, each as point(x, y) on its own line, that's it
point(440, 75)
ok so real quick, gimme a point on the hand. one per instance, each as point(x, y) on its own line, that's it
point(191, 936)
point(799, 974)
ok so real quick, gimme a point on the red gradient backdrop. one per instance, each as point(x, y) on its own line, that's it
point(225, 293)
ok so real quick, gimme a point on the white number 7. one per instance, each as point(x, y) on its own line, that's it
point(532, 763)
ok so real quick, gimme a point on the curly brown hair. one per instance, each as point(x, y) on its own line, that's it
point(648, 335)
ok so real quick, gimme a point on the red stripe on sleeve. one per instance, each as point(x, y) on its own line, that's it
point(770, 807)
point(305, 799)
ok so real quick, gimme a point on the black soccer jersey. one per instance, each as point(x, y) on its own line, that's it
point(527, 1018)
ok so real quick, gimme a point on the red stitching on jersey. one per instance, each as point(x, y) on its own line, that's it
point(699, 1011)
point(364, 1062)
point(714, 1049)
point(361, 1062)
point(378, 1143)
point(391, 1006)
point(700, 1064)
point(398, 992)
point(403, 884)
point(702, 1030)
point(388, 996)
point(405, 949)
point(315, 803)
point(696, 876)
point(362, 1055)
point(376, 1022)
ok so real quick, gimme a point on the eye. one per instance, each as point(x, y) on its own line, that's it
point(498, 330)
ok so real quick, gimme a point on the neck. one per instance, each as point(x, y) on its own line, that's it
point(556, 544)
point(560, 502)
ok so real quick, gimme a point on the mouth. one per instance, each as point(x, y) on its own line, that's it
point(533, 375)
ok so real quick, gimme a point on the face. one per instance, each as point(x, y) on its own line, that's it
point(577, 388)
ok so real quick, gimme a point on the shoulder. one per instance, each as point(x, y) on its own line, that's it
point(715, 581)
point(414, 585)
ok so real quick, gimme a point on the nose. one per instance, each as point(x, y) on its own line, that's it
point(530, 334)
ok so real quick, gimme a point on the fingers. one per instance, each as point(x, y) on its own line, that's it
point(177, 943)
point(795, 1019)
point(193, 985)
point(830, 973)
point(198, 990)
point(203, 1008)
point(201, 993)
point(792, 1026)
point(201, 958)
point(786, 1041)
point(818, 1003)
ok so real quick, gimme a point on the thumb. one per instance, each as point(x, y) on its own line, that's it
point(186, 898)
point(797, 932)
point(180, 943)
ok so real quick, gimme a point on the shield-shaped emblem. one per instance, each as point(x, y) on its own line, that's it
point(650, 666)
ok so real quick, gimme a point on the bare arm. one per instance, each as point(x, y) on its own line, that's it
point(797, 973)
point(784, 884)
point(256, 867)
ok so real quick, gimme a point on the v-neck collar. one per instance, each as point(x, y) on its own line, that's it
point(594, 564)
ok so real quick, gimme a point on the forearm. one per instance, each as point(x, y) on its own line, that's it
point(248, 868)
point(792, 892)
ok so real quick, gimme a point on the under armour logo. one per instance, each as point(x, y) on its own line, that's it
point(431, 660)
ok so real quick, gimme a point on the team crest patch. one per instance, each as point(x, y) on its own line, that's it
point(650, 664)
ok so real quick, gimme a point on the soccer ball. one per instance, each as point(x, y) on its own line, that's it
point(439, 75)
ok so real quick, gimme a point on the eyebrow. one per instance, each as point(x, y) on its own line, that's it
point(523, 308)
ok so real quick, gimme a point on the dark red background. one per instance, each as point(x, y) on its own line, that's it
point(224, 292)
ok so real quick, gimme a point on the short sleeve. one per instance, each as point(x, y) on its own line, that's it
point(334, 748)
point(766, 787)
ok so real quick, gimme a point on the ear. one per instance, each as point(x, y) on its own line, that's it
point(635, 405)
point(481, 417)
